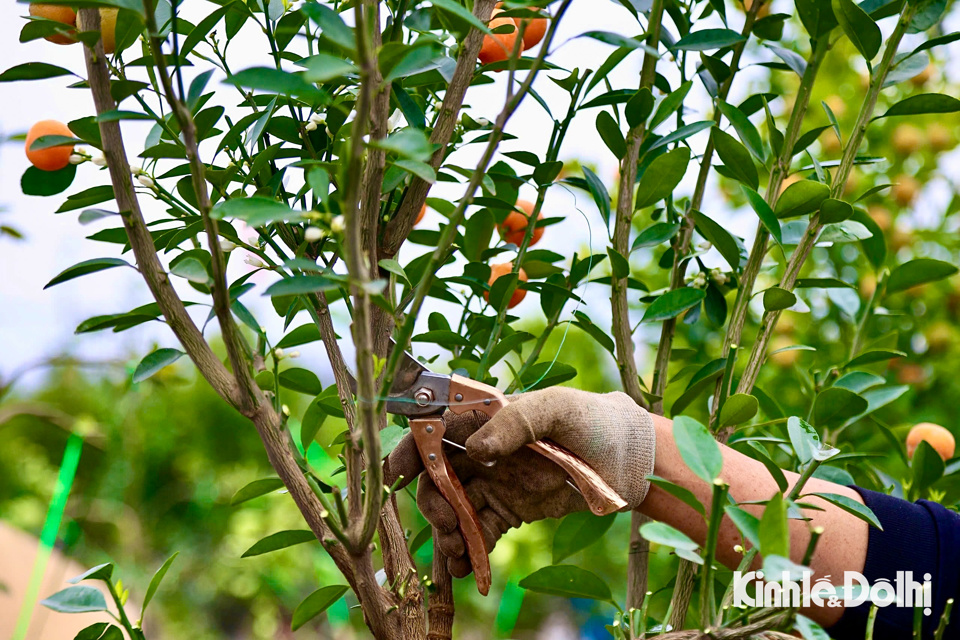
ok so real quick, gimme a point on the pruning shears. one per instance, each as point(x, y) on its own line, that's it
point(423, 396)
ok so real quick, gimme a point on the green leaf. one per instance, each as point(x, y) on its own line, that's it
point(764, 212)
point(681, 493)
point(299, 284)
point(803, 438)
point(699, 450)
point(662, 533)
point(93, 632)
point(774, 532)
point(256, 211)
point(736, 158)
point(315, 604)
point(156, 580)
point(720, 238)
point(324, 67)
point(924, 103)
point(611, 135)
point(800, 198)
point(871, 357)
point(79, 599)
point(670, 103)
point(392, 266)
point(777, 299)
point(421, 538)
point(100, 572)
point(35, 182)
point(408, 143)
point(33, 71)
point(673, 303)
point(578, 531)
point(851, 506)
point(279, 540)
point(917, 272)
point(707, 39)
point(154, 362)
point(639, 107)
point(600, 195)
point(85, 267)
point(809, 629)
point(191, 269)
point(275, 81)
point(738, 409)
point(567, 581)
point(48, 142)
point(662, 177)
point(927, 466)
point(458, 10)
point(390, 437)
point(255, 489)
point(655, 234)
point(303, 334)
point(747, 523)
point(301, 380)
point(744, 128)
point(775, 471)
point(832, 210)
point(859, 27)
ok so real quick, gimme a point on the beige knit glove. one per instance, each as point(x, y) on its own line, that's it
point(608, 431)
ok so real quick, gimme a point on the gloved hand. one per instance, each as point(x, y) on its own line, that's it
point(608, 431)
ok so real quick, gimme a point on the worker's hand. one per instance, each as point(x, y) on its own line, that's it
point(609, 432)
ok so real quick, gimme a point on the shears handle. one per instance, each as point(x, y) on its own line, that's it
point(470, 395)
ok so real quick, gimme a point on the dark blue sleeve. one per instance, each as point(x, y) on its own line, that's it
point(921, 537)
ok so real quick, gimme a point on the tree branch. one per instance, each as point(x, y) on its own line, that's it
point(400, 225)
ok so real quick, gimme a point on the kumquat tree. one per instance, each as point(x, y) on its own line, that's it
point(400, 188)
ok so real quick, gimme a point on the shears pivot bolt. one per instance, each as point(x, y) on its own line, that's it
point(458, 397)
point(423, 396)
point(429, 428)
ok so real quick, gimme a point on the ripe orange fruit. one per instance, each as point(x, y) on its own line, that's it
point(57, 13)
point(762, 12)
point(533, 31)
point(498, 46)
point(502, 269)
point(51, 158)
point(936, 436)
point(880, 215)
point(108, 29)
point(423, 212)
point(514, 226)
point(940, 137)
point(904, 190)
point(783, 359)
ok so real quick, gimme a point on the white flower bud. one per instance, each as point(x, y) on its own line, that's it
point(293, 354)
point(285, 409)
point(313, 234)
point(700, 281)
point(704, 246)
point(318, 118)
point(278, 353)
point(146, 181)
point(396, 120)
point(136, 171)
point(76, 159)
point(99, 160)
point(310, 126)
point(328, 132)
point(254, 262)
point(337, 225)
point(226, 246)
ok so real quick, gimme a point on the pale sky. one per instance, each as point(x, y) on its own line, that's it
point(35, 323)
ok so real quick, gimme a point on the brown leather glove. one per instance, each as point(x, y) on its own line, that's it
point(608, 431)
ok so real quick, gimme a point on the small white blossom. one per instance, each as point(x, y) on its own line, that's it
point(700, 281)
point(318, 118)
point(146, 181)
point(226, 246)
point(254, 262)
point(278, 353)
point(136, 171)
point(99, 160)
point(704, 246)
point(396, 120)
point(293, 354)
point(337, 225)
point(310, 126)
point(285, 409)
point(328, 132)
point(313, 234)
point(76, 158)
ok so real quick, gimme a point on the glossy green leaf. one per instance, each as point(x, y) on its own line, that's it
point(578, 531)
point(835, 405)
point(662, 533)
point(764, 212)
point(79, 599)
point(662, 177)
point(611, 135)
point(297, 285)
point(738, 409)
point(567, 581)
point(33, 71)
point(777, 299)
point(699, 450)
point(927, 467)
point(872, 357)
point(100, 572)
point(600, 195)
point(924, 103)
point(917, 272)
point(35, 182)
point(255, 489)
point(301, 380)
point(315, 604)
point(154, 362)
point(331, 24)
point(774, 532)
point(707, 40)
point(859, 27)
point(255, 211)
point(279, 540)
point(303, 334)
point(656, 234)
point(748, 133)
point(736, 158)
point(747, 523)
point(851, 506)
point(719, 237)
point(156, 580)
point(681, 493)
point(832, 211)
point(85, 267)
point(800, 198)
point(673, 303)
